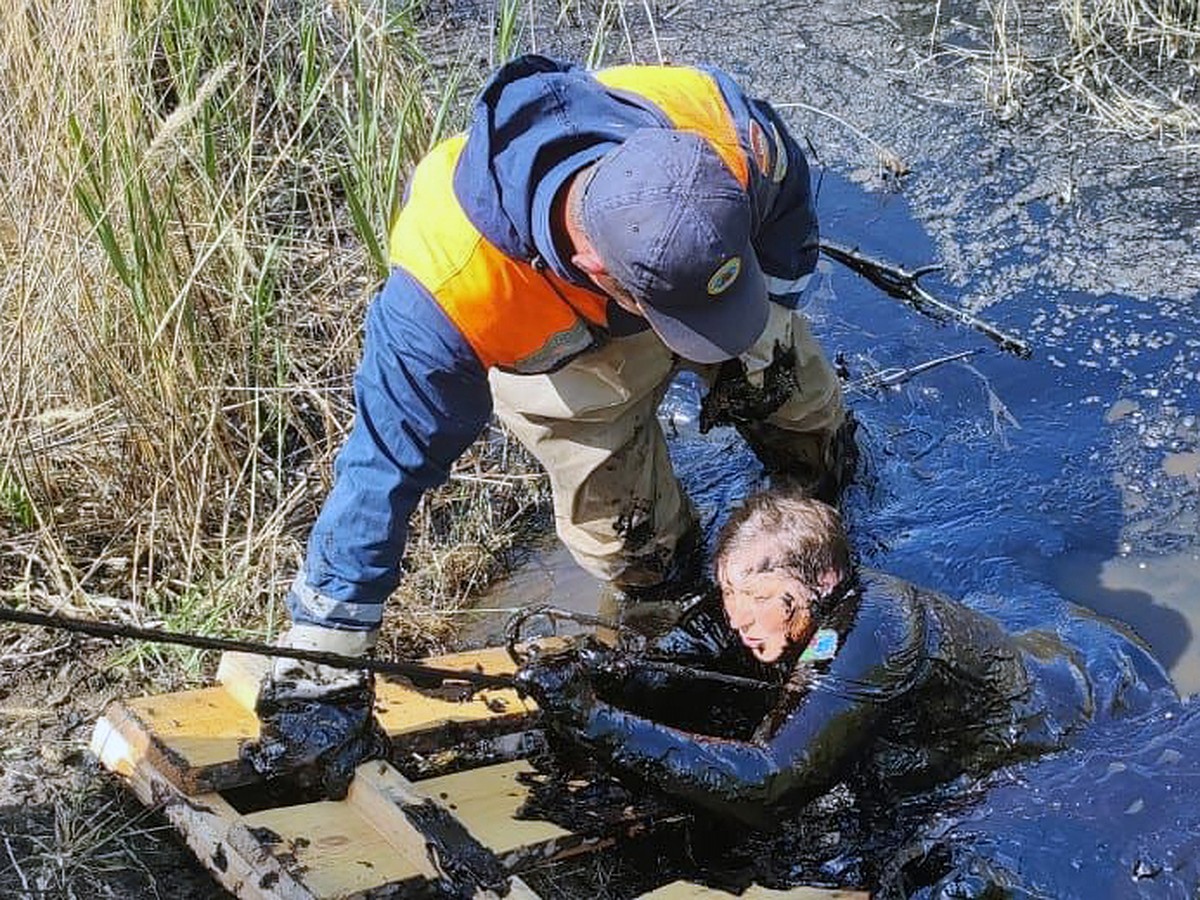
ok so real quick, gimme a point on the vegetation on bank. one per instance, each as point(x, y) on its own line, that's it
point(1131, 66)
point(196, 201)
point(197, 196)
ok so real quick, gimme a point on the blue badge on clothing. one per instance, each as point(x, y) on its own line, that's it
point(824, 645)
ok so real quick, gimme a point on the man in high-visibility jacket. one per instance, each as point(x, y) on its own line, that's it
point(586, 237)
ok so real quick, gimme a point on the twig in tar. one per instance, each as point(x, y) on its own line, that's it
point(892, 377)
point(906, 285)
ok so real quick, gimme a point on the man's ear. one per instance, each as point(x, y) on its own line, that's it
point(588, 261)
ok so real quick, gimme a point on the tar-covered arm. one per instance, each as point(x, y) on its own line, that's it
point(808, 747)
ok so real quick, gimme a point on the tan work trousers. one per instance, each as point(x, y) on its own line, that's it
point(593, 425)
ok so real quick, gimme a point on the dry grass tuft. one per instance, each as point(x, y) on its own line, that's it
point(1136, 63)
point(86, 841)
point(1132, 65)
point(194, 197)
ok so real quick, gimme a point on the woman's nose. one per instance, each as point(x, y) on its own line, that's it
point(739, 614)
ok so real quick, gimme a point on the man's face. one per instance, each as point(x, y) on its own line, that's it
point(769, 610)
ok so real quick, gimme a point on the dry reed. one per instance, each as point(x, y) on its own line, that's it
point(1130, 65)
point(195, 194)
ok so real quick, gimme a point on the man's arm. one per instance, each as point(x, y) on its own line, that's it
point(421, 398)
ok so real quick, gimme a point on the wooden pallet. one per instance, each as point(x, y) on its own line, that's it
point(179, 752)
point(685, 890)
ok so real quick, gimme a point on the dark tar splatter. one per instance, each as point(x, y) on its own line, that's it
point(466, 865)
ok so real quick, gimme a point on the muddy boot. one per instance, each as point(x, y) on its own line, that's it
point(317, 722)
point(654, 609)
point(816, 464)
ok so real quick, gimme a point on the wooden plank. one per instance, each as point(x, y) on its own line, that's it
point(210, 826)
point(190, 738)
point(686, 890)
point(363, 846)
point(486, 800)
point(177, 750)
point(381, 795)
point(334, 851)
point(519, 890)
point(240, 674)
point(193, 737)
point(340, 851)
point(403, 710)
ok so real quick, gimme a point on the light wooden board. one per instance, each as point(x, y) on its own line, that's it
point(685, 890)
point(177, 750)
point(336, 851)
point(192, 737)
point(486, 800)
point(210, 826)
point(403, 710)
point(362, 846)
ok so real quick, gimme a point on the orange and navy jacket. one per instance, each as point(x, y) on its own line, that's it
point(478, 280)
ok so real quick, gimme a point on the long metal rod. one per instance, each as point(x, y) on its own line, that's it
point(420, 674)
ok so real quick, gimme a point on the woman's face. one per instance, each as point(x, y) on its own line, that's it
point(770, 610)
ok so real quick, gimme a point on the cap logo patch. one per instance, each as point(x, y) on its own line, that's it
point(725, 275)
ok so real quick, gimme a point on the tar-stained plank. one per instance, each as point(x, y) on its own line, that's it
point(211, 827)
point(190, 737)
point(686, 890)
point(193, 737)
point(402, 709)
point(362, 848)
point(486, 800)
point(334, 851)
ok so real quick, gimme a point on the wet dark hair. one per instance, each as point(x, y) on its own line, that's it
point(788, 531)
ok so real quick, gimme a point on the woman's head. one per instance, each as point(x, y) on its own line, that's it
point(776, 558)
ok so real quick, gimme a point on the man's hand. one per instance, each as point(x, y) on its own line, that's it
point(316, 722)
point(734, 399)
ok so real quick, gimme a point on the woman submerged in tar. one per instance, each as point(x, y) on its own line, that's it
point(843, 674)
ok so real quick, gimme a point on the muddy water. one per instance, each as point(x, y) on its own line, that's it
point(1071, 472)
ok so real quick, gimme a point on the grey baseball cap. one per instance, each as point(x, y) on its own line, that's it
point(672, 225)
